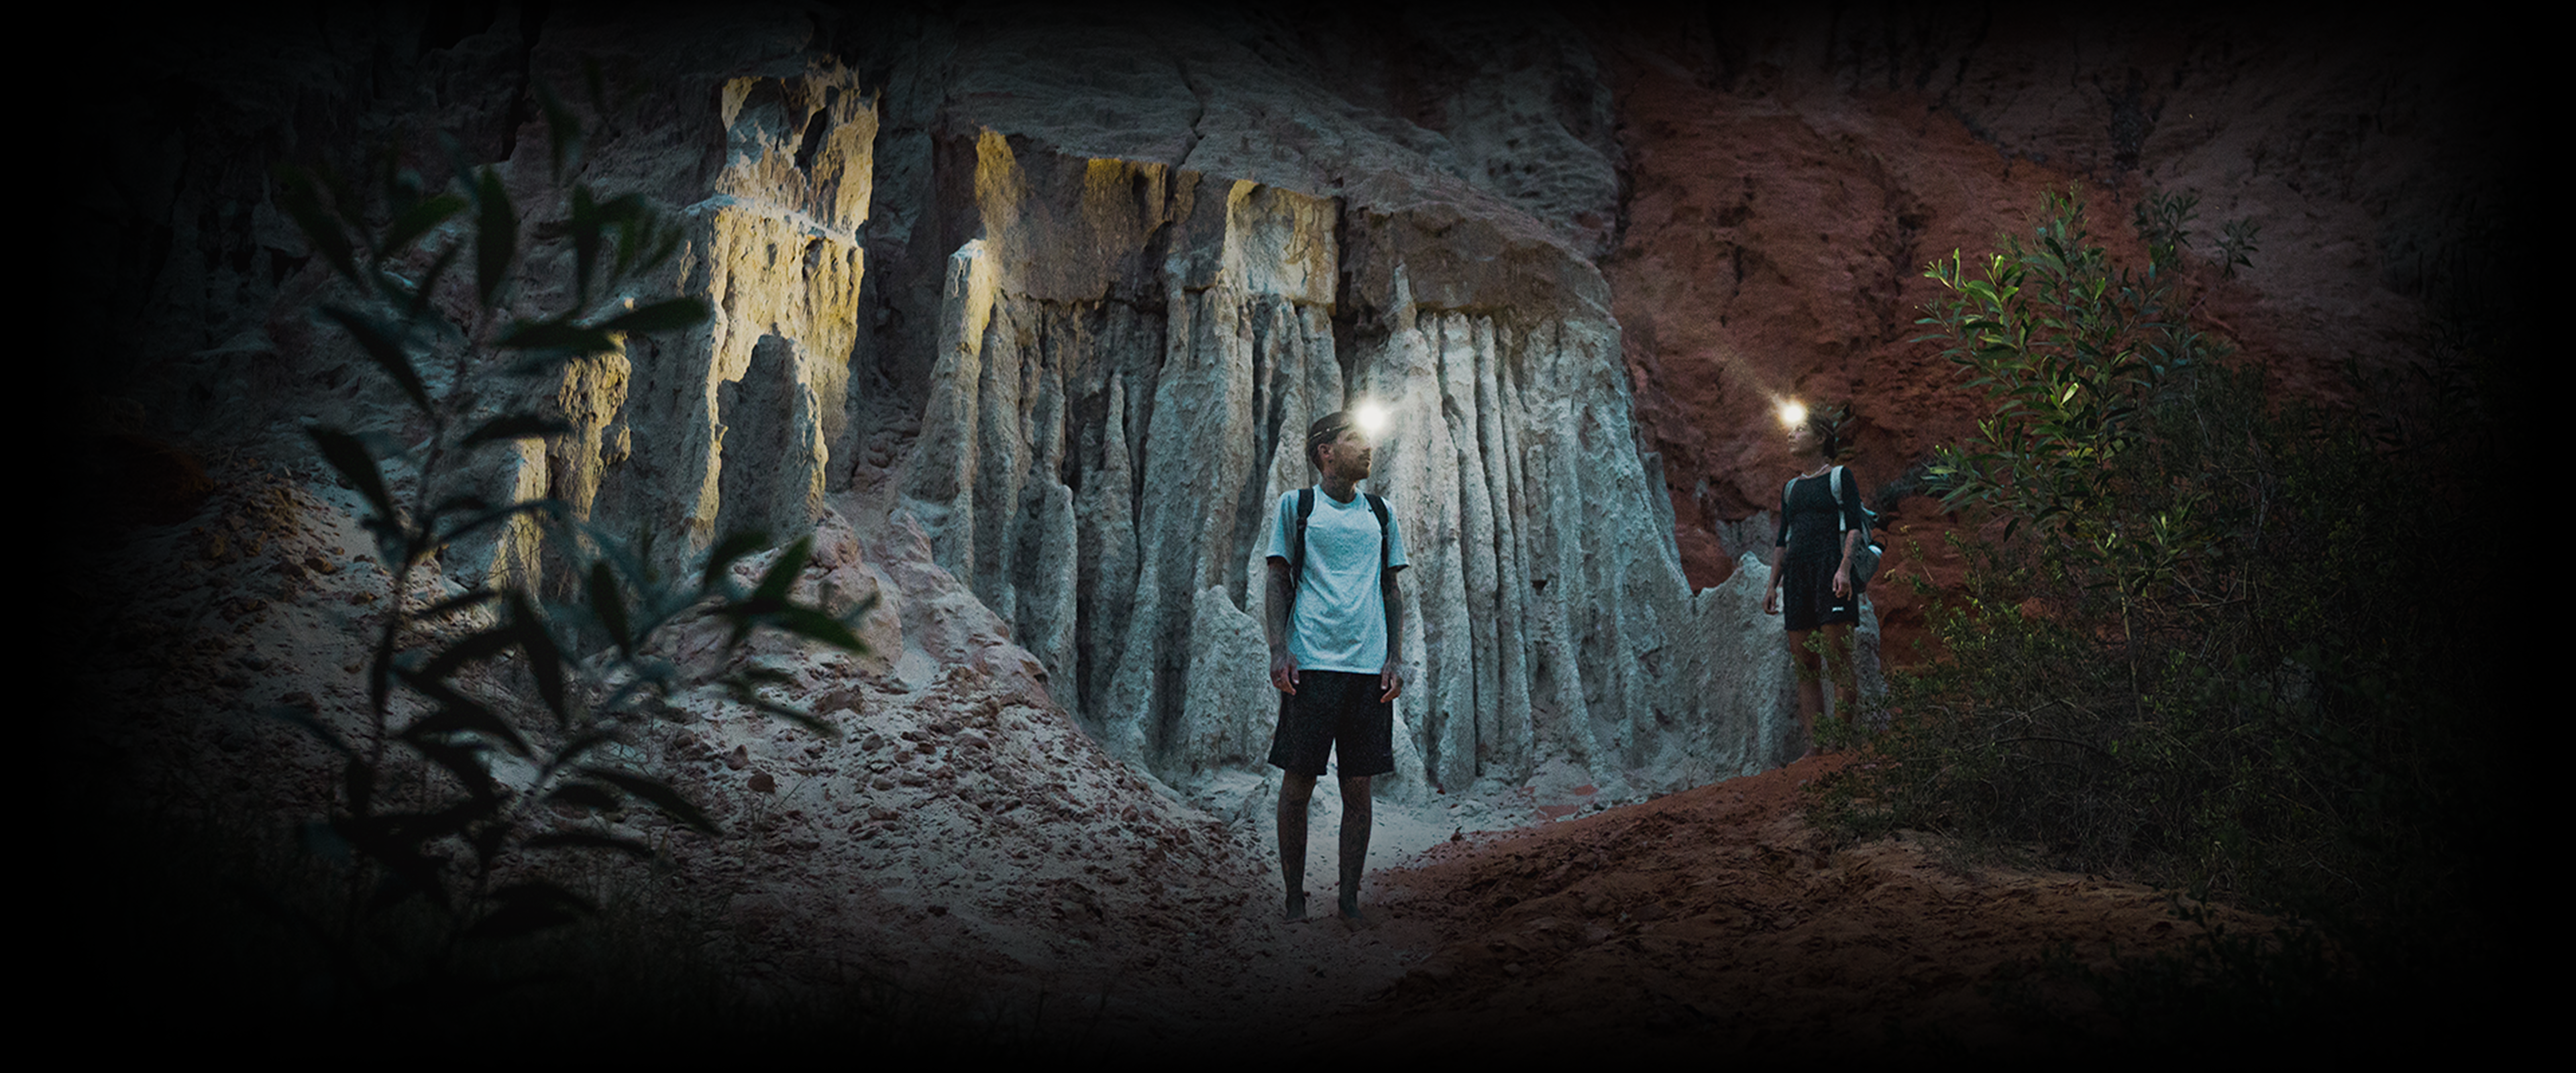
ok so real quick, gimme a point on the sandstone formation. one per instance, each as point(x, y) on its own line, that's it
point(1166, 274)
point(1081, 280)
point(1790, 175)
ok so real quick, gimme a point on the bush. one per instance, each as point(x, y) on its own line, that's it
point(498, 750)
point(2195, 644)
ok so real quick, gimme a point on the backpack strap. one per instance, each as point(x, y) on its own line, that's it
point(1385, 550)
point(1861, 510)
point(1385, 520)
point(1297, 547)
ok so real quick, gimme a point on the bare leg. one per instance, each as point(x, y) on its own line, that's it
point(1355, 840)
point(1294, 789)
point(1811, 699)
point(1840, 670)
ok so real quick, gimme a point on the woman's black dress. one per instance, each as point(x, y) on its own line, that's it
point(1812, 523)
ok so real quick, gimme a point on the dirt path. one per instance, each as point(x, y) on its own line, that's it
point(1717, 921)
point(966, 839)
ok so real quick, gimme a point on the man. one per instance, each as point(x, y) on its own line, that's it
point(1335, 617)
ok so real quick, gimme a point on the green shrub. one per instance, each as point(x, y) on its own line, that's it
point(497, 757)
point(2198, 642)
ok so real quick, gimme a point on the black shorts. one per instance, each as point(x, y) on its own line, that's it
point(1335, 712)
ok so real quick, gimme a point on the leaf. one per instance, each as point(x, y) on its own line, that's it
point(609, 606)
point(463, 762)
point(660, 796)
point(529, 907)
point(533, 506)
point(418, 220)
point(460, 602)
point(781, 577)
point(420, 295)
point(380, 666)
point(460, 169)
point(558, 334)
point(474, 647)
point(589, 840)
point(814, 625)
point(592, 81)
point(572, 750)
point(585, 228)
point(563, 130)
point(496, 237)
point(734, 546)
point(517, 427)
point(459, 504)
point(624, 210)
point(350, 457)
point(792, 714)
point(545, 658)
point(462, 714)
point(321, 226)
point(359, 781)
point(659, 316)
point(584, 795)
point(382, 348)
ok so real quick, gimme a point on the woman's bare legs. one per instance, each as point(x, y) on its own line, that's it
point(1842, 670)
point(1815, 669)
point(1810, 689)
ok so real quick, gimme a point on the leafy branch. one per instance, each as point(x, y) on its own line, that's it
point(515, 729)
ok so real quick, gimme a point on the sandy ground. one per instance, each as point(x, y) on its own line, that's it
point(965, 841)
point(1713, 921)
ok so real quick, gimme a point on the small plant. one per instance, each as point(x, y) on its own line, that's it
point(2236, 246)
point(2164, 224)
point(2068, 351)
point(493, 742)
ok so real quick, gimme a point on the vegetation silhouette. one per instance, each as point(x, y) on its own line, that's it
point(2193, 644)
point(499, 749)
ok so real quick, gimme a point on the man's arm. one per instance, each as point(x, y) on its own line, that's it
point(1274, 622)
point(1391, 678)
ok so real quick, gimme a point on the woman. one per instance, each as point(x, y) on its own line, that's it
point(1820, 528)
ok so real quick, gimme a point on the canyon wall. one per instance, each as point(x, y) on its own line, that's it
point(1059, 292)
point(1791, 172)
point(1158, 278)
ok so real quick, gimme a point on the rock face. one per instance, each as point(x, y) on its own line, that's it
point(1790, 175)
point(1061, 292)
point(1068, 291)
point(1132, 338)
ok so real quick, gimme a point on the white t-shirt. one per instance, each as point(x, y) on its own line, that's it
point(1339, 621)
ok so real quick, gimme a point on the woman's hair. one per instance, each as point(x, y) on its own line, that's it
point(1833, 428)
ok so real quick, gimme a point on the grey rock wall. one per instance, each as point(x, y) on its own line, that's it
point(1160, 278)
point(1075, 289)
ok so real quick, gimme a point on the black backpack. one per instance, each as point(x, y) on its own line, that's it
point(1865, 558)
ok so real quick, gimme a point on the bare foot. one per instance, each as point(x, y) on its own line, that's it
point(1352, 918)
point(1296, 909)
